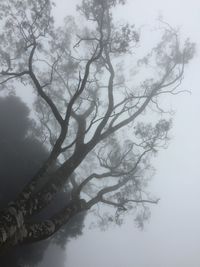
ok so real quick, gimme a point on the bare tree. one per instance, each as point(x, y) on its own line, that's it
point(91, 109)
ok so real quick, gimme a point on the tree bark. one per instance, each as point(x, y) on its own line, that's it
point(15, 229)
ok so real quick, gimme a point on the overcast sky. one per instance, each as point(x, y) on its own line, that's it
point(172, 236)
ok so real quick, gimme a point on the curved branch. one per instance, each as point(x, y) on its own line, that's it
point(40, 89)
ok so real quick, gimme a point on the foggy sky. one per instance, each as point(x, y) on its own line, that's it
point(172, 236)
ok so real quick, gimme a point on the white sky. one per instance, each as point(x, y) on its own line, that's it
point(172, 237)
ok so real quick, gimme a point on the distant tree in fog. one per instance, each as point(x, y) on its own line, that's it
point(21, 155)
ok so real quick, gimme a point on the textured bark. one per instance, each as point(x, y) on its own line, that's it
point(26, 231)
point(13, 219)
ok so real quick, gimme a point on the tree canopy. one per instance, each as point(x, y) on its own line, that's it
point(94, 112)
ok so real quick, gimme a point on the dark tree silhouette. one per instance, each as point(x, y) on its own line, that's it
point(25, 153)
point(91, 110)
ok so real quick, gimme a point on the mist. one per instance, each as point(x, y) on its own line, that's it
point(171, 236)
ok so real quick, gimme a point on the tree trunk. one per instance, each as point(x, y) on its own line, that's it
point(15, 230)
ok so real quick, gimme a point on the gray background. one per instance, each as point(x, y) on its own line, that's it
point(172, 236)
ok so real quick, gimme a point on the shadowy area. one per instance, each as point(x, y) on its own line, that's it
point(21, 155)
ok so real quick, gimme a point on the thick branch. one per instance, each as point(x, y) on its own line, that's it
point(41, 230)
point(40, 90)
point(29, 232)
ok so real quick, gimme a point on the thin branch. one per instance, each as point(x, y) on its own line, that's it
point(13, 75)
point(124, 202)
